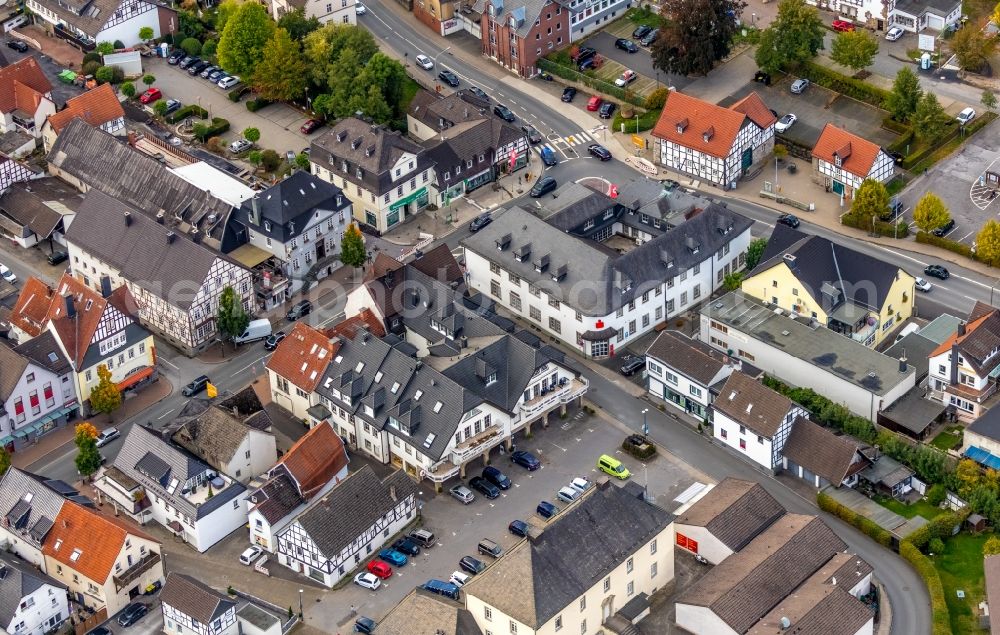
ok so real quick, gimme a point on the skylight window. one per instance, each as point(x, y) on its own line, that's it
point(378, 377)
point(395, 387)
point(438, 406)
point(417, 395)
point(58, 544)
point(75, 555)
point(338, 358)
point(429, 440)
point(305, 365)
point(27, 497)
point(360, 367)
point(53, 357)
point(173, 486)
point(322, 353)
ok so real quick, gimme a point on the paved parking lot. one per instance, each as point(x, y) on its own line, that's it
point(640, 62)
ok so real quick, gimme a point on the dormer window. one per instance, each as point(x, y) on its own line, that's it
point(836, 160)
point(267, 225)
point(343, 166)
point(682, 125)
point(708, 134)
point(491, 378)
point(359, 173)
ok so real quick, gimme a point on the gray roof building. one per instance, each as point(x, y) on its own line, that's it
point(286, 208)
point(194, 598)
point(18, 579)
point(695, 359)
point(44, 351)
point(734, 511)
point(30, 503)
point(831, 456)
point(752, 404)
point(276, 498)
point(209, 432)
point(424, 613)
point(38, 206)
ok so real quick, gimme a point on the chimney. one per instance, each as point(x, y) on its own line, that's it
point(128, 218)
point(170, 237)
point(70, 307)
point(160, 215)
point(902, 364)
point(961, 329)
point(105, 286)
point(392, 493)
point(255, 211)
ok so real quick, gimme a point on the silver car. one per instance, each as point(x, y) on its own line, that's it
point(463, 494)
point(799, 86)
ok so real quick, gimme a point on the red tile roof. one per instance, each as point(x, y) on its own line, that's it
point(955, 338)
point(315, 459)
point(30, 312)
point(754, 107)
point(76, 334)
point(98, 538)
point(704, 126)
point(348, 328)
point(303, 356)
point(857, 155)
point(97, 107)
point(22, 86)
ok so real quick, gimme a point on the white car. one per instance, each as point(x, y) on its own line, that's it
point(459, 579)
point(367, 580)
point(923, 285)
point(7, 274)
point(966, 116)
point(799, 86)
point(251, 554)
point(894, 34)
point(240, 145)
point(425, 62)
point(229, 82)
point(627, 78)
point(785, 123)
point(359, 8)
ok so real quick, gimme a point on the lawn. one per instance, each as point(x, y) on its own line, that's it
point(920, 508)
point(647, 17)
point(961, 568)
point(948, 438)
point(410, 88)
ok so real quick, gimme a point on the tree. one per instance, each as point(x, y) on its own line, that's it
point(972, 48)
point(208, 48)
point(282, 74)
point(854, 49)
point(967, 474)
point(302, 161)
point(297, 24)
point(352, 247)
point(988, 100)
point(697, 35)
point(323, 47)
point(733, 281)
point(930, 212)
point(905, 95)
point(148, 79)
point(189, 25)
point(794, 37)
point(270, 159)
point(105, 397)
point(104, 48)
point(231, 319)
point(191, 46)
point(146, 33)
point(4, 460)
point(929, 118)
point(88, 457)
point(128, 89)
point(225, 10)
point(871, 199)
point(754, 251)
point(160, 107)
point(254, 158)
point(104, 74)
point(988, 243)
point(251, 134)
point(242, 45)
point(995, 16)
point(992, 546)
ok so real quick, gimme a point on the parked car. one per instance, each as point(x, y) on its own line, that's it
point(610, 465)
point(57, 257)
point(250, 554)
point(495, 476)
point(894, 33)
point(489, 548)
point(367, 580)
point(449, 77)
point(649, 38)
point(546, 509)
point(936, 271)
point(100, 630)
point(518, 528)
point(484, 487)
point(272, 342)
point(7, 274)
point(943, 230)
point(365, 625)
point(216, 75)
point(472, 565)
point(568, 94)
point(208, 71)
point(150, 96)
point(789, 219)
point(626, 45)
point(549, 157)
point(173, 105)
point(627, 77)
point(598, 151)
point(462, 494)
point(799, 86)
point(240, 145)
point(479, 222)
point(594, 103)
point(785, 122)
point(922, 285)
point(762, 77)
point(568, 494)
point(132, 614)
point(842, 26)
point(310, 126)
point(393, 557)
point(533, 135)
point(525, 459)
point(175, 58)
point(107, 435)
point(630, 367)
point(588, 64)
point(967, 115)
point(641, 31)
point(607, 110)
point(459, 579)
point(544, 185)
point(229, 81)
point(580, 484)
point(299, 310)
point(379, 569)
point(197, 67)
point(196, 386)
point(407, 546)
point(424, 62)
point(359, 9)
point(504, 113)
point(584, 53)
point(188, 61)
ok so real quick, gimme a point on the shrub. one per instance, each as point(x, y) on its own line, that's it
point(657, 98)
point(90, 68)
point(117, 75)
point(895, 126)
point(936, 545)
point(118, 44)
point(848, 86)
point(270, 160)
point(941, 622)
point(882, 228)
point(936, 494)
point(945, 243)
point(92, 56)
point(870, 529)
point(104, 74)
point(607, 88)
point(254, 105)
point(216, 128)
point(903, 143)
point(646, 121)
point(642, 453)
point(237, 93)
point(191, 46)
point(194, 110)
point(216, 144)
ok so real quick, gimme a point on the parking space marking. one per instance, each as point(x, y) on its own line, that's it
point(981, 194)
point(962, 239)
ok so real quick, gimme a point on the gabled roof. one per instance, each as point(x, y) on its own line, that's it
point(821, 451)
point(194, 598)
point(318, 456)
point(30, 312)
point(277, 497)
point(209, 432)
point(12, 367)
point(30, 503)
point(439, 263)
point(87, 15)
point(22, 85)
point(45, 352)
point(424, 613)
point(980, 343)
point(39, 204)
point(734, 511)
point(857, 155)
point(97, 107)
point(348, 328)
point(705, 127)
point(691, 357)
point(752, 404)
point(303, 356)
point(77, 333)
point(541, 576)
point(17, 580)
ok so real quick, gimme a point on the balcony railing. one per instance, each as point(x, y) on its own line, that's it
point(476, 445)
point(560, 395)
point(132, 574)
point(84, 44)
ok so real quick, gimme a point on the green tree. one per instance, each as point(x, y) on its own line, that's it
point(390, 76)
point(972, 48)
point(988, 100)
point(270, 159)
point(854, 49)
point(88, 457)
point(302, 161)
point(242, 45)
point(209, 48)
point(794, 37)
point(754, 251)
point(105, 397)
point(930, 118)
point(733, 281)
point(255, 158)
point(127, 89)
point(988, 243)
point(146, 33)
point(188, 25)
point(4, 460)
point(231, 319)
point(930, 212)
point(105, 48)
point(992, 546)
point(251, 134)
point(160, 107)
point(104, 74)
point(323, 47)
point(297, 24)
point(871, 199)
point(698, 33)
point(905, 95)
point(282, 74)
point(148, 79)
point(223, 12)
point(352, 247)
point(191, 46)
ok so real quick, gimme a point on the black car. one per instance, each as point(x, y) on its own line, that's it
point(172, 106)
point(449, 78)
point(484, 487)
point(196, 386)
point(585, 53)
point(641, 31)
point(598, 151)
point(57, 257)
point(176, 57)
point(495, 476)
point(626, 44)
point(478, 92)
point(630, 367)
point(526, 460)
point(17, 45)
point(941, 231)
point(587, 64)
point(195, 69)
point(568, 94)
point(650, 37)
point(100, 630)
point(364, 625)
point(132, 614)
point(504, 113)
point(936, 271)
point(789, 219)
point(273, 340)
point(188, 61)
point(518, 528)
point(301, 309)
point(762, 77)
point(472, 565)
point(607, 110)
point(533, 135)
point(479, 222)
point(544, 185)
point(407, 546)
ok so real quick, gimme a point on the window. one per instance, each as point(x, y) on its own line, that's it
point(583, 627)
point(583, 603)
point(670, 377)
point(535, 313)
point(494, 268)
point(630, 589)
point(514, 278)
point(30, 377)
point(607, 584)
point(554, 303)
point(652, 570)
point(495, 288)
point(513, 626)
point(629, 565)
point(554, 325)
point(559, 622)
point(723, 433)
point(515, 301)
point(652, 547)
point(743, 444)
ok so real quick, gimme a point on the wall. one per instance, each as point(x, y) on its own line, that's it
point(713, 549)
point(128, 31)
point(779, 283)
point(901, 299)
point(22, 391)
point(135, 547)
point(263, 453)
point(757, 448)
point(335, 11)
point(659, 383)
point(701, 620)
point(137, 355)
point(48, 608)
point(295, 400)
point(597, 13)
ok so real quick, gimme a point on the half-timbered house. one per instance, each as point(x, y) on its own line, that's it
point(842, 161)
point(84, 23)
point(192, 607)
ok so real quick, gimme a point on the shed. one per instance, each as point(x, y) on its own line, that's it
point(256, 621)
point(975, 523)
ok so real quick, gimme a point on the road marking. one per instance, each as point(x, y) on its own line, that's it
point(969, 298)
point(250, 365)
point(169, 363)
point(965, 236)
point(165, 413)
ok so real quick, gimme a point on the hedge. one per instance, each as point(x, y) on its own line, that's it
point(217, 127)
point(882, 228)
point(868, 527)
point(929, 147)
point(591, 82)
point(940, 618)
point(635, 452)
point(941, 526)
point(962, 249)
point(188, 111)
point(892, 125)
point(848, 86)
point(237, 93)
point(256, 104)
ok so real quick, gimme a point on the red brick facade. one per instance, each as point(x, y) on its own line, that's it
point(501, 42)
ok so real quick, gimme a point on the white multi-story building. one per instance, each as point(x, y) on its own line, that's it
point(589, 297)
point(37, 395)
point(962, 369)
point(587, 16)
point(842, 161)
point(30, 602)
point(910, 15)
point(685, 373)
point(191, 607)
point(83, 25)
point(711, 143)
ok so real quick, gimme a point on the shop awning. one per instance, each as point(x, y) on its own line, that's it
point(135, 378)
point(407, 199)
point(249, 255)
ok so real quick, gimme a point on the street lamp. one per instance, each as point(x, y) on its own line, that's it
point(645, 425)
point(753, 20)
point(440, 54)
point(300, 603)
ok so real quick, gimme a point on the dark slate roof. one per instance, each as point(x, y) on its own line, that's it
point(988, 425)
point(12, 367)
point(18, 579)
point(44, 351)
point(30, 203)
point(194, 598)
point(734, 511)
point(541, 576)
point(443, 112)
point(692, 358)
point(352, 507)
point(750, 403)
point(439, 263)
point(31, 519)
point(821, 451)
point(276, 498)
point(916, 348)
point(290, 205)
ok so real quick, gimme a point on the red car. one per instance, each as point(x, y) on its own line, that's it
point(380, 569)
point(843, 25)
point(310, 126)
point(594, 103)
point(151, 95)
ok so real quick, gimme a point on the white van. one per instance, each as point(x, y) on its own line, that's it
point(912, 327)
point(256, 330)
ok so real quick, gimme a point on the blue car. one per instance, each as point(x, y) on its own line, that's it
point(546, 509)
point(518, 528)
point(393, 557)
point(526, 460)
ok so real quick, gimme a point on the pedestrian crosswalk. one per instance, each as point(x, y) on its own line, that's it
point(577, 138)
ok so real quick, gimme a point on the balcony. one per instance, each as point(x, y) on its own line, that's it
point(133, 573)
point(83, 43)
point(477, 445)
point(24, 121)
point(556, 396)
point(441, 472)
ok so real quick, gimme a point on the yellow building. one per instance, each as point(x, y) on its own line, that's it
point(849, 292)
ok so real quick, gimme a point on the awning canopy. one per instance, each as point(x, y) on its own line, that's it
point(983, 457)
point(249, 255)
point(135, 378)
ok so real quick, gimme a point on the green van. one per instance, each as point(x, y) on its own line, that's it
point(613, 466)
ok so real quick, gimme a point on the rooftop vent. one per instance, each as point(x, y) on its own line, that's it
point(128, 218)
point(789, 258)
point(170, 237)
point(503, 242)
